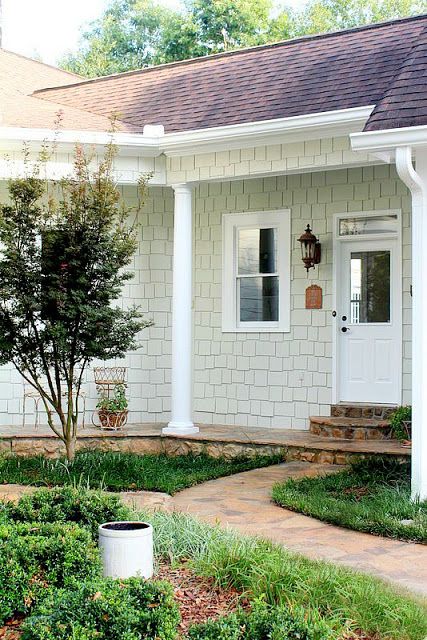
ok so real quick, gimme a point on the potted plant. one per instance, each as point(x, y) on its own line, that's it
point(400, 422)
point(113, 411)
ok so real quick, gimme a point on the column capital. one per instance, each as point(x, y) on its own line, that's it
point(182, 187)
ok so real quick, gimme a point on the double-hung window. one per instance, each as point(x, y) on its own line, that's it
point(256, 271)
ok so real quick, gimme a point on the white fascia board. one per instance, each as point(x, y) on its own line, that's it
point(296, 128)
point(128, 143)
point(383, 143)
point(293, 129)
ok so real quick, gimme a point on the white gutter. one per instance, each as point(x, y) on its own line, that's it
point(310, 126)
point(149, 144)
point(383, 143)
point(153, 141)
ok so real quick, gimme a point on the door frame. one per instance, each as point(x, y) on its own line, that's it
point(337, 243)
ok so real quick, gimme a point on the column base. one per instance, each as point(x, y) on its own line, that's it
point(180, 428)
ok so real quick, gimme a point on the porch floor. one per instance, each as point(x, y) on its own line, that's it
point(215, 439)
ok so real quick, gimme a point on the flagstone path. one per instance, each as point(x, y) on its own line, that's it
point(243, 502)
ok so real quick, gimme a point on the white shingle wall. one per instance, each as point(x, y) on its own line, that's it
point(151, 288)
point(270, 380)
point(256, 161)
point(278, 380)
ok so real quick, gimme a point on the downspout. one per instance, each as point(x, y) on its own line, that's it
point(416, 181)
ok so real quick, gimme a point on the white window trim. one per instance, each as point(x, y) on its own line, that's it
point(231, 222)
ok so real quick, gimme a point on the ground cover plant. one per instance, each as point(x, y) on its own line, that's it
point(114, 471)
point(372, 495)
point(289, 596)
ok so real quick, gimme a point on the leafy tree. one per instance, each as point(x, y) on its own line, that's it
point(135, 33)
point(322, 16)
point(64, 250)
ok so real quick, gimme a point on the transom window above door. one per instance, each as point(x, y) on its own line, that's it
point(256, 271)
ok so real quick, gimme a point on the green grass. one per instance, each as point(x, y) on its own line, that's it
point(344, 598)
point(372, 496)
point(125, 471)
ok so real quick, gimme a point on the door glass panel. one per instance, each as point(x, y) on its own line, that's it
point(368, 225)
point(259, 299)
point(370, 287)
point(256, 251)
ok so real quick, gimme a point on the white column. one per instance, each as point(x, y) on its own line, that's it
point(182, 344)
point(417, 182)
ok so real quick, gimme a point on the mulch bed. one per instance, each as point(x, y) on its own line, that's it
point(198, 598)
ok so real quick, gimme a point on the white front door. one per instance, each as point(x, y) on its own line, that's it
point(369, 321)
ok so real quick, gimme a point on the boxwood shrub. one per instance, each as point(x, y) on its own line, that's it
point(106, 609)
point(274, 623)
point(68, 504)
point(35, 557)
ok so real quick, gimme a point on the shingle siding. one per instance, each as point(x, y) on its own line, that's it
point(270, 380)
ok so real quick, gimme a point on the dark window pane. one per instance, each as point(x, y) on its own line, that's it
point(370, 287)
point(256, 251)
point(259, 299)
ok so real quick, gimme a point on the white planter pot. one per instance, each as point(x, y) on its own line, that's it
point(126, 549)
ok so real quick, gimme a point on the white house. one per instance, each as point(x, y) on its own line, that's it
point(247, 148)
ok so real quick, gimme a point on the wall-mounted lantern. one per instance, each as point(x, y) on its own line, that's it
point(310, 249)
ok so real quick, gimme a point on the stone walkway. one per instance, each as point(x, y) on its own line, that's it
point(243, 502)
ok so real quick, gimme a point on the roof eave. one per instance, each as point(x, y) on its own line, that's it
point(64, 140)
point(383, 143)
point(306, 127)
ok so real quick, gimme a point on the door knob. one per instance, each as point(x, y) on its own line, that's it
point(344, 329)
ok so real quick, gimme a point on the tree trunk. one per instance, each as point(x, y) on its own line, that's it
point(70, 448)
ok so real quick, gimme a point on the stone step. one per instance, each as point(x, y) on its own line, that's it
point(349, 428)
point(379, 412)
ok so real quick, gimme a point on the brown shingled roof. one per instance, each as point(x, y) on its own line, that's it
point(307, 75)
point(405, 101)
point(20, 77)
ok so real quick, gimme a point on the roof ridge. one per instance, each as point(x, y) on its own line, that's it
point(44, 64)
point(235, 52)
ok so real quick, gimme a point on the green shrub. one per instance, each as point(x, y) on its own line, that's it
point(264, 623)
point(35, 557)
point(67, 504)
point(397, 418)
point(106, 610)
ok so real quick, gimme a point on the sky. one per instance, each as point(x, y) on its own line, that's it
point(50, 28)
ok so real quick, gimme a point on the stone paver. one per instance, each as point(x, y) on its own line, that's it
point(243, 502)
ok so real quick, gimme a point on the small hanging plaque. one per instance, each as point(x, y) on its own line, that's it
point(313, 297)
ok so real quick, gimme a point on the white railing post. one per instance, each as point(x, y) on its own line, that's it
point(182, 344)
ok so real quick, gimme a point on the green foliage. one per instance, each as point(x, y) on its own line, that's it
point(344, 598)
point(35, 557)
point(275, 623)
point(373, 496)
point(66, 505)
point(118, 401)
point(132, 34)
point(398, 417)
point(121, 471)
point(106, 610)
point(65, 249)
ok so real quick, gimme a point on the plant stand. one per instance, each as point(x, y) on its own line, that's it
point(107, 379)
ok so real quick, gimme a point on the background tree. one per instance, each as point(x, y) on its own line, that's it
point(62, 261)
point(132, 34)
